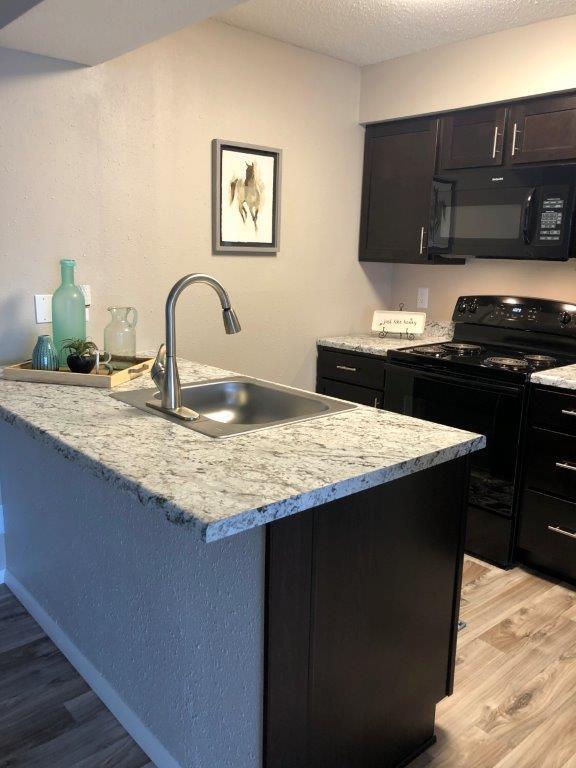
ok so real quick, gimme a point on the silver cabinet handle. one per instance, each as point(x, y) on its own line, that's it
point(562, 531)
point(346, 368)
point(566, 465)
point(514, 136)
point(422, 230)
point(376, 402)
point(495, 141)
point(568, 413)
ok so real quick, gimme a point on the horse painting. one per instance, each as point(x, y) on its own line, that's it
point(248, 193)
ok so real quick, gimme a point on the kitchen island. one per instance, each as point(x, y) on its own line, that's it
point(287, 597)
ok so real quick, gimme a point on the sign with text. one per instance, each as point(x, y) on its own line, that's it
point(389, 321)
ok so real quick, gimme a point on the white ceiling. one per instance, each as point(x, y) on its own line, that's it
point(368, 31)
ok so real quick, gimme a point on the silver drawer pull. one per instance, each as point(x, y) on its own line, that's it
point(568, 413)
point(566, 465)
point(376, 402)
point(346, 368)
point(561, 531)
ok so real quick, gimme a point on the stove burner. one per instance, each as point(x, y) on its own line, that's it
point(540, 359)
point(515, 363)
point(463, 349)
point(437, 350)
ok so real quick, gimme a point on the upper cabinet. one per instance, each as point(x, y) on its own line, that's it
point(473, 138)
point(399, 162)
point(543, 130)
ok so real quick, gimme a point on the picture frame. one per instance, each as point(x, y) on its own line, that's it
point(246, 182)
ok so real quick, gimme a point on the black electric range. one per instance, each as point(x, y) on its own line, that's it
point(479, 382)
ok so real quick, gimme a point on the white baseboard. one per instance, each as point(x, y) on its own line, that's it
point(128, 719)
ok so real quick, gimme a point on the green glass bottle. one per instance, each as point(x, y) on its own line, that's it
point(68, 311)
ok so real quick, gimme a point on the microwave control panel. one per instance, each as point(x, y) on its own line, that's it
point(551, 220)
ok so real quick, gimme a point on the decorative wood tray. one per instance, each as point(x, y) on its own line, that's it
point(125, 369)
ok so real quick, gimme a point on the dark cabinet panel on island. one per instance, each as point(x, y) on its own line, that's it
point(543, 130)
point(473, 138)
point(399, 160)
point(360, 395)
point(362, 612)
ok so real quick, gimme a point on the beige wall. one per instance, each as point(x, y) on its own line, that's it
point(518, 62)
point(556, 280)
point(111, 166)
point(525, 61)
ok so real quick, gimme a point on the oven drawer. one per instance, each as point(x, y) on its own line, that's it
point(551, 464)
point(554, 410)
point(354, 369)
point(547, 537)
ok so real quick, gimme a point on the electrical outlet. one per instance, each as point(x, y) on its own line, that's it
point(43, 306)
point(422, 298)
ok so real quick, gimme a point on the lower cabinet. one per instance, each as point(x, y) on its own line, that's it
point(351, 376)
point(547, 529)
point(361, 621)
point(351, 392)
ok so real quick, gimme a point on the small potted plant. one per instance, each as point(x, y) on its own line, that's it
point(83, 355)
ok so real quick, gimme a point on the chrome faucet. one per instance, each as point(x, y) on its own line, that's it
point(165, 369)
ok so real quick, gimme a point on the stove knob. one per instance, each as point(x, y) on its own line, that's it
point(565, 318)
point(462, 307)
point(472, 309)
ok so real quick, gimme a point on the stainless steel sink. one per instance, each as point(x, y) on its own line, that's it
point(239, 404)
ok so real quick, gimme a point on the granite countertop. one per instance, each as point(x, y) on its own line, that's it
point(563, 378)
point(227, 486)
point(372, 344)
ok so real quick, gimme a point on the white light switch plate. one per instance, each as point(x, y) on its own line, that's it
point(422, 298)
point(43, 305)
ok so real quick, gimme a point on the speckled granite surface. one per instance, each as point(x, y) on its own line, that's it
point(372, 344)
point(227, 486)
point(564, 378)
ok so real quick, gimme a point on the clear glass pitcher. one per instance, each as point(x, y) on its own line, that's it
point(120, 333)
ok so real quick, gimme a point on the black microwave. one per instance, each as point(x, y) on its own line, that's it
point(521, 213)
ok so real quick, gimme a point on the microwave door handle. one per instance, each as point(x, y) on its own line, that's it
point(527, 216)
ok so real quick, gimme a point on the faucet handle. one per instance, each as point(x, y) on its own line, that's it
point(158, 370)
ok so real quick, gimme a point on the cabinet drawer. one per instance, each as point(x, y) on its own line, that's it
point(361, 395)
point(547, 536)
point(554, 410)
point(551, 464)
point(355, 369)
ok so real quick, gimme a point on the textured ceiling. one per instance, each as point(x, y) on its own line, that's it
point(368, 31)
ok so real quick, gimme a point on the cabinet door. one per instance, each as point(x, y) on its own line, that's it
point(361, 395)
point(472, 139)
point(399, 160)
point(544, 129)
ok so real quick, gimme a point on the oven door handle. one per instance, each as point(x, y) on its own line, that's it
point(527, 216)
point(451, 378)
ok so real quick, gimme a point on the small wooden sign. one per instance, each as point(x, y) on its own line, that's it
point(389, 321)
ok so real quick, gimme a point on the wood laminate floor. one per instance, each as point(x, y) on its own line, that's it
point(514, 704)
point(49, 717)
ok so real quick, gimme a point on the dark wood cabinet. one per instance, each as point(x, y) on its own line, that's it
point(399, 161)
point(473, 138)
point(543, 130)
point(547, 530)
point(351, 376)
point(361, 621)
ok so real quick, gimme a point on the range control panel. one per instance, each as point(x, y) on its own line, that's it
point(542, 315)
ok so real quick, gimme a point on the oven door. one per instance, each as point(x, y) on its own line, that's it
point(490, 218)
point(494, 410)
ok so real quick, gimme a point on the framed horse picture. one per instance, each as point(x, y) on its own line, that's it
point(245, 198)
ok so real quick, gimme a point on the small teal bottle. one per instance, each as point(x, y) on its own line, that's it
point(44, 355)
point(68, 311)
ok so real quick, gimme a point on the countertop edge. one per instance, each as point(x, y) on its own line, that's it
point(275, 511)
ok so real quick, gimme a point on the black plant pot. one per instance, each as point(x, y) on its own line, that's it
point(81, 363)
